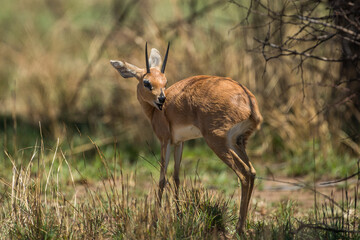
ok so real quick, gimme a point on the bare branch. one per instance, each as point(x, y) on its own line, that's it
point(337, 27)
point(289, 52)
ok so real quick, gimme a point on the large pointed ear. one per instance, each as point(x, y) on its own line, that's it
point(155, 58)
point(127, 70)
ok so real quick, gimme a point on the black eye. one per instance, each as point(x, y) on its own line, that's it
point(147, 84)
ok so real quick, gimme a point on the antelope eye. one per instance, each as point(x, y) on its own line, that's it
point(147, 84)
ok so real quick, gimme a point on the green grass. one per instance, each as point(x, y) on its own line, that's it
point(198, 160)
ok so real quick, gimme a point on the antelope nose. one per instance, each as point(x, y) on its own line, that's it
point(161, 99)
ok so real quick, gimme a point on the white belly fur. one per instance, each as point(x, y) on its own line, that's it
point(184, 133)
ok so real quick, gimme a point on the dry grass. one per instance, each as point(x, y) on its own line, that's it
point(41, 201)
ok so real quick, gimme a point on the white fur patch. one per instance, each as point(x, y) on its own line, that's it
point(236, 131)
point(184, 133)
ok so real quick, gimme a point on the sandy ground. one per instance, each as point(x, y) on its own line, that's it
point(271, 192)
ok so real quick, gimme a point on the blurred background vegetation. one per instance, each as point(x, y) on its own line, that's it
point(56, 82)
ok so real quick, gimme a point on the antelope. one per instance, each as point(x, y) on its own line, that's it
point(219, 109)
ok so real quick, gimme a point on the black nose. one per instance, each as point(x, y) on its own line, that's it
point(161, 99)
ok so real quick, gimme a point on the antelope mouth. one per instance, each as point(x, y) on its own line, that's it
point(159, 105)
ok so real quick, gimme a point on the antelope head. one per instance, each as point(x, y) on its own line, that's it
point(152, 80)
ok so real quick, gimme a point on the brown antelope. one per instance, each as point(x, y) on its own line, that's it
point(219, 109)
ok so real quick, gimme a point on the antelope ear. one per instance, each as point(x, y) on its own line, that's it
point(155, 58)
point(127, 70)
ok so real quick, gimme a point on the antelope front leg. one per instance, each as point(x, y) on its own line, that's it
point(165, 157)
point(177, 157)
